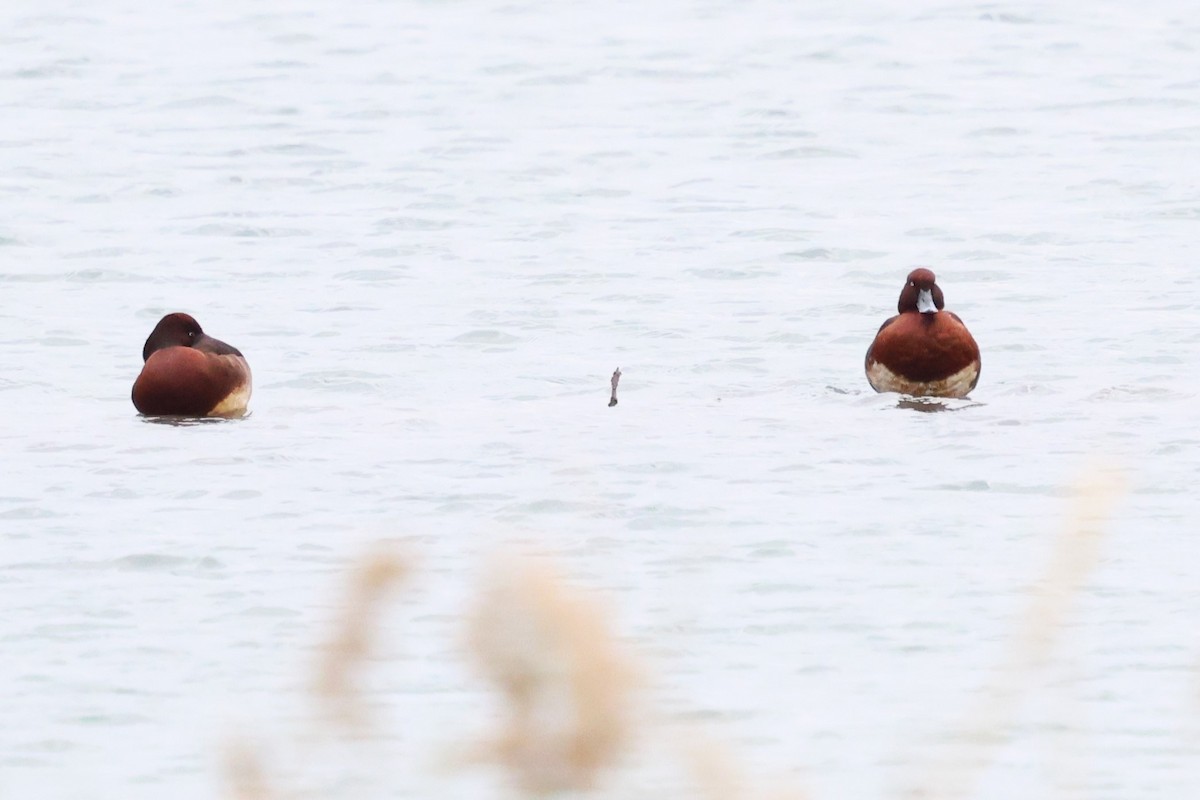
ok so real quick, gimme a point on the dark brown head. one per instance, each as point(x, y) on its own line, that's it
point(921, 293)
point(182, 330)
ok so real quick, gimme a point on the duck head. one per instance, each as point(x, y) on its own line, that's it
point(182, 330)
point(921, 293)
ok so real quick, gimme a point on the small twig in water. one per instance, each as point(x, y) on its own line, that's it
point(616, 378)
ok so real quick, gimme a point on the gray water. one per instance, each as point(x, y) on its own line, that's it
point(435, 228)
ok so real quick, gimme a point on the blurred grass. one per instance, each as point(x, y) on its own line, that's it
point(575, 719)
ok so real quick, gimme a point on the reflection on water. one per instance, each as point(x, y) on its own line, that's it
point(187, 422)
point(931, 405)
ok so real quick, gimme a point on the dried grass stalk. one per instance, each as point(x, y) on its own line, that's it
point(565, 684)
point(1075, 556)
point(244, 773)
point(353, 634)
point(719, 776)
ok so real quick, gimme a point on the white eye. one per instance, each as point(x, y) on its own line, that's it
point(912, 283)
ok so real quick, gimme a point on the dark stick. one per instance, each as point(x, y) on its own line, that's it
point(616, 378)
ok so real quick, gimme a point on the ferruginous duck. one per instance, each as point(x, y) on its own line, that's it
point(189, 373)
point(923, 351)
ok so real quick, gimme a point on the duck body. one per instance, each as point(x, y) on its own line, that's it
point(923, 351)
point(189, 373)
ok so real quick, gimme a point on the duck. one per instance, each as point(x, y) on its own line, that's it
point(924, 351)
point(189, 373)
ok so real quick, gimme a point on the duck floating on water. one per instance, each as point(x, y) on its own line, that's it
point(189, 373)
point(924, 350)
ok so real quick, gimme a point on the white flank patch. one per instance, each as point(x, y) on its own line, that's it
point(235, 403)
point(883, 379)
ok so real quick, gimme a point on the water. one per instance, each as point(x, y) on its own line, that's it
point(436, 228)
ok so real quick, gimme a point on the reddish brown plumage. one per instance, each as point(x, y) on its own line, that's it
point(929, 353)
point(189, 373)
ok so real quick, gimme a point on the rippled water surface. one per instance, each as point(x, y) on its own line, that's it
point(434, 229)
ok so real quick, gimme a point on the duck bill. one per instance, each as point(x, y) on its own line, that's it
point(925, 302)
